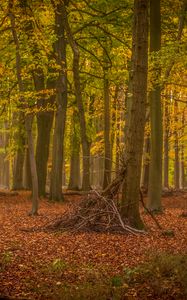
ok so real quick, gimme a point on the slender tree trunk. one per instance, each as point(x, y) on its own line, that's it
point(44, 125)
point(176, 148)
point(61, 102)
point(155, 172)
point(27, 180)
point(182, 173)
point(128, 98)
point(74, 182)
point(135, 135)
point(182, 167)
point(78, 94)
point(107, 143)
point(28, 117)
point(6, 177)
point(34, 177)
point(19, 159)
point(145, 168)
point(115, 128)
point(166, 146)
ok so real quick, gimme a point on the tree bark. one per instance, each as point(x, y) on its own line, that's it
point(145, 167)
point(17, 183)
point(107, 142)
point(166, 145)
point(44, 125)
point(135, 135)
point(176, 147)
point(28, 116)
point(27, 180)
point(61, 102)
point(155, 172)
point(78, 94)
point(182, 157)
point(74, 182)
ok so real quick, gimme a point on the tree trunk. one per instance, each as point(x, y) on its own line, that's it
point(135, 135)
point(182, 167)
point(176, 147)
point(166, 145)
point(145, 168)
point(107, 143)
point(34, 177)
point(61, 102)
point(44, 113)
point(28, 117)
point(44, 125)
point(6, 177)
point(155, 172)
point(74, 182)
point(27, 180)
point(19, 159)
point(78, 94)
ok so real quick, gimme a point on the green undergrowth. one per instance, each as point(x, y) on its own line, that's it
point(5, 259)
point(163, 276)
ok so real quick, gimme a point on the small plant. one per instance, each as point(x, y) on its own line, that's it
point(58, 265)
point(117, 281)
point(5, 259)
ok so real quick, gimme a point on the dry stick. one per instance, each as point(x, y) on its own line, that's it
point(125, 227)
point(149, 212)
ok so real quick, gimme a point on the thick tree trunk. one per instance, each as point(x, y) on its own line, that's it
point(61, 102)
point(155, 172)
point(135, 135)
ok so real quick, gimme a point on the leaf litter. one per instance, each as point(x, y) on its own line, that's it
point(28, 258)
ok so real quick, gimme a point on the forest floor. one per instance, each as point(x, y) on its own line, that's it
point(44, 265)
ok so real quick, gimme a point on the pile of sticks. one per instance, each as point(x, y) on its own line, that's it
point(97, 212)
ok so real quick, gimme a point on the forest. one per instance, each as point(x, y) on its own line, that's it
point(93, 149)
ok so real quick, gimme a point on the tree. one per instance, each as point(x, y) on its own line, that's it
point(155, 171)
point(74, 181)
point(107, 140)
point(135, 134)
point(61, 102)
point(28, 115)
point(78, 94)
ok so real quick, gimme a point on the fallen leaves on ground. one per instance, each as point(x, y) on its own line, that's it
point(36, 264)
